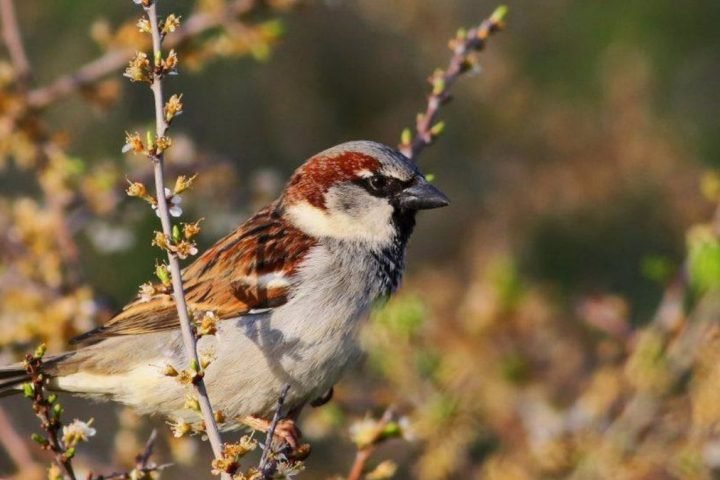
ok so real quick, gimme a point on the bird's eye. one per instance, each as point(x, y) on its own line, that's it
point(377, 183)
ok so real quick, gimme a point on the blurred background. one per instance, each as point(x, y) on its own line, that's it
point(557, 321)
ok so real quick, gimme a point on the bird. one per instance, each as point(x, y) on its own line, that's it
point(290, 288)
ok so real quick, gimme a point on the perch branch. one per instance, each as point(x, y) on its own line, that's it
point(267, 466)
point(188, 334)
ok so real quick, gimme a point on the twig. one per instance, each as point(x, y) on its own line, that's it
point(188, 335)
point(143, 458)
point(48, 411)
point(267, 467)
point(142, 467)
point(112, 61)
point(13, 41)
point(463, 46)
point(364, 453)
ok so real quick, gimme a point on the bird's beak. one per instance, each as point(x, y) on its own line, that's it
point(421, 196)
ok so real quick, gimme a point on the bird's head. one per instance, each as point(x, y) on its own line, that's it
point(360, 191)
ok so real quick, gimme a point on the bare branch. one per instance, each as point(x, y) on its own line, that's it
point(463, 46)
point(364, 453)
point(188, 335)
point(267, 467)
point(116, 59)
point(13, 41)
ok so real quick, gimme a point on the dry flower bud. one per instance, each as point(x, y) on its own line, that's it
point(173, 107)
point(138, 69)
point(183, 183)
point(192, 403)
point(161, 240)
point(162, 144)
point(191, 229)
point(223, 465)
point(136, 189)
point(147, 291)
point(206, 359)
point(77, 432)
point(240, 448)
point(143, 25)
point(171, 23)
point(185, 377)
point(170, 63)
point(219, 416)
point(133, 143)
point(170, 371)
point(184, 249)
point(207, 324)
point(180, 428)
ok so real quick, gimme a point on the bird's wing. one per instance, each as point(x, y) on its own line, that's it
point(252, 268)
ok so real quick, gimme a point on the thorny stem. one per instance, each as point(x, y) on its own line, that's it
point(13, 40)
point(266, 466)
point(95, 70)
point(363, 454)
point(49, 419)
point(460, 62)
point(188, 335)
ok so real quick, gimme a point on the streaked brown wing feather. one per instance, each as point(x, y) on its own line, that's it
point(249, 269)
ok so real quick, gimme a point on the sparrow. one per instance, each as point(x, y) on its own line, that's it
point(289, 287)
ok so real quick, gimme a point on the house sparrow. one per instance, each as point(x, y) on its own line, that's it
point(290, 287)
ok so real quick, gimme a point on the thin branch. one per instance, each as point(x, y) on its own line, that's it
point(463, 46)
point(267, 467)
point(13, 41)
point(364, 453)
point(114, 60)
point(48, 410)
point(188, 335)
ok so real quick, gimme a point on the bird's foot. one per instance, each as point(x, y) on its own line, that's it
point(285, 431)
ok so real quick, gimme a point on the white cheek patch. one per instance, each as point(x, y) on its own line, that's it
point(373, 226)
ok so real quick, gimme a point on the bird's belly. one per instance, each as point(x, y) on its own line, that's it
point(257, 355)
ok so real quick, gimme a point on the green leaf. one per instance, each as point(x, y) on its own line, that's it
point(703, 259)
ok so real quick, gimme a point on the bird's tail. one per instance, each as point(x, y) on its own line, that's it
point(13, 376)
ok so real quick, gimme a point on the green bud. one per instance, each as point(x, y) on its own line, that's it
point(28, 390)
point(70, 453)
point(162, 273)
point(430, 177)
point(52, 398)
point(40, 351)
point(391, 430)
point(149, 138)
point(176, 234)
point(406, 137)
point(437, 129)
point(39, 439)
point(57, 410)
point(498, 16)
